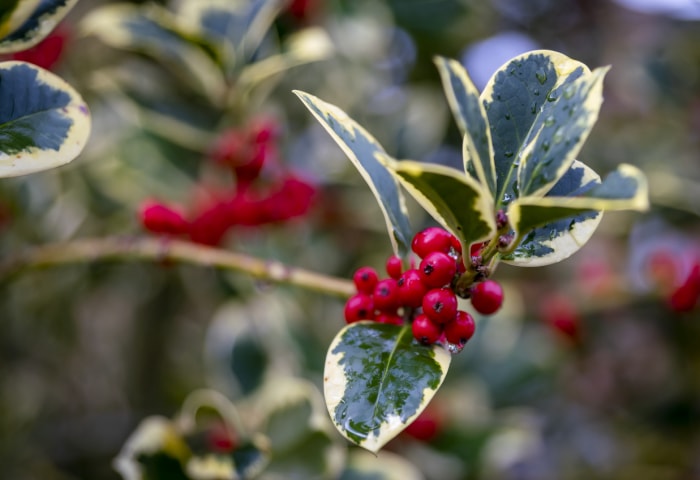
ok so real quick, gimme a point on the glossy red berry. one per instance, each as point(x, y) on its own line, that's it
point(394, 267)
point(432, 239)
point(425, 330)
point(411, 288)
point(440, 305)
point(386, 295)
point(359, 307)
point(365, 279)
point(389, 317)
point(487, 297)
point(461, 329)
point(437, 269)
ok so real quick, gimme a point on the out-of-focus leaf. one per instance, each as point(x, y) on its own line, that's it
point(306, 46)
point(364, 152)
point(363, 465)
point(24, 23)
point(154, 31)
point(303, 443)
point(378, 379)
point(452, 198)
point(471, 118)
point(235, 28)
point(155, 450)
point(44, 123)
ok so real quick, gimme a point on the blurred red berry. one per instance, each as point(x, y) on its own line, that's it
point(47, 53)
point(161, 219)
point(426, 426)
point(685, 297)
point(562, 316)
point(211, 225)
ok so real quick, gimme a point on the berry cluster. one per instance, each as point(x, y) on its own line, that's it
point(423, 296)
point(252, 201)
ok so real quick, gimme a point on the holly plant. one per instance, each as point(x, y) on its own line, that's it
point(521, 198)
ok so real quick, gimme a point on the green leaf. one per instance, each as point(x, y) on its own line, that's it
point(154, 31)
point(453, 199)
point(155, 450)
point(567, 119)
point(378, 379)
point(302, 440)
point(527, 102)
point(24, 23)
point(235, 29)
point(471, 118)
point(365, 152)
point(44, 122)
point(306, 46)
point(556, 226)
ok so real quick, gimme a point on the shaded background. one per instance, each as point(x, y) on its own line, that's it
point(586, 373)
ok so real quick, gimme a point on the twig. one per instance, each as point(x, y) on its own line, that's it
point(166, 250)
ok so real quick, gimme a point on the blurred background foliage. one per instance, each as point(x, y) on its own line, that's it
point(590, 370)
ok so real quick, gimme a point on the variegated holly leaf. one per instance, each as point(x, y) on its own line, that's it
point(541, 106)
point(471, 118)
point(365, 153)
point(455, 200)
point(44, 123)
point(306, 46)
point(557, 225)
point(24, 23)
point(302, 440)
point(378, 379)
point(155, 31)
point(234, 29)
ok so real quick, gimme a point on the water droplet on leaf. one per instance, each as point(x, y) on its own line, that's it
point(541, 76)
point(549, 121)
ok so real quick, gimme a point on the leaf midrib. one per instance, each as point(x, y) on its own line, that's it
point(404, 331)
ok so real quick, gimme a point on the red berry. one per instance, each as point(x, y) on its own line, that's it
point(684, 298)
point(432, 239)
point(158, 218)
point(461, 329)
point(440, 305)
point(389, 317)
point(437, 269)
point(411, 288)
point(394, 267)
point(386, 295)
point(425, 330)
point(365, 279)
point(476, 248)
point(359, 307)
point(561, 314)
point(487, 297)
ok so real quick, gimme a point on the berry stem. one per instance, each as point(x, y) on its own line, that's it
point(164, 250)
